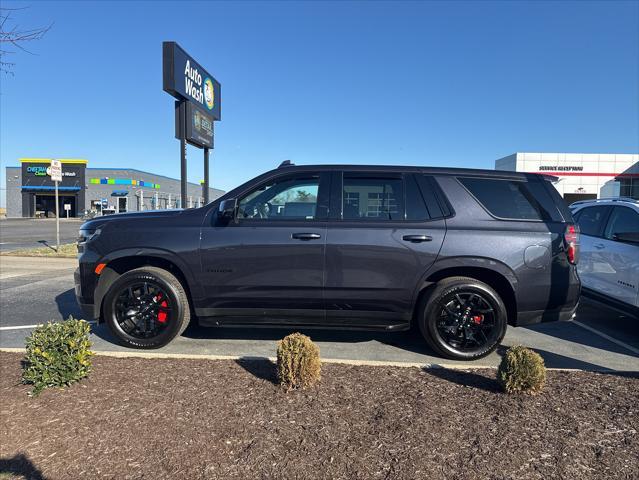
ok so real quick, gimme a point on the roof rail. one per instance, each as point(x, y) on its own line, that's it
point(607, 199)
point(286, 163)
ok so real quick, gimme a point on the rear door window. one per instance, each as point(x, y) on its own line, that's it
point(507, 199)
point(415, 206)
point(372, 198)
point(590, 220)
point(430, 192)
point(623, 220)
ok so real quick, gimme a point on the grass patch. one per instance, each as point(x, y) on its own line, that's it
point(67, 250)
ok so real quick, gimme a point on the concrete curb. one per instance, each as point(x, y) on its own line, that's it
point(338, 361)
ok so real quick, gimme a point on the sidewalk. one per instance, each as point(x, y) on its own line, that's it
point(18, 266)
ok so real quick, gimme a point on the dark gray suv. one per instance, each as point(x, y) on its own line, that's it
point(458, 253)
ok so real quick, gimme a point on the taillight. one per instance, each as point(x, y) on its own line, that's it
point(571, 237)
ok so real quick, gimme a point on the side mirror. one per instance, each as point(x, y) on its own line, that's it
point(227, 209)
point(628, 237)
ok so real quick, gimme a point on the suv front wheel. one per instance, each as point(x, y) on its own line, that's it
point(463, 318)
point(146, 308)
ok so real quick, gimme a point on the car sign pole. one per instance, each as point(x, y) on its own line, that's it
point(206, 175)
point(197, 107)
point(183, 172)
point(56, 176)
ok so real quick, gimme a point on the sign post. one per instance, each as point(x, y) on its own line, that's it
point(197, 106)
point(56, 176)
point(206, 175)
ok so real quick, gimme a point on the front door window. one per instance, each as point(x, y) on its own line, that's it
point(282, 199)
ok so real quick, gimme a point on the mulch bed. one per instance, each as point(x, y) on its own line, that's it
point(141, 418)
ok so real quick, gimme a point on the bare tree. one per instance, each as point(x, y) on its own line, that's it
point(15, 36)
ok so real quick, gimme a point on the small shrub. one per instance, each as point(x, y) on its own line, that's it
point(521, 371)
point(58, 354)
point(298, 362)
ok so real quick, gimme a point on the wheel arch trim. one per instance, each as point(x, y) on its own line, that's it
point(490, 271)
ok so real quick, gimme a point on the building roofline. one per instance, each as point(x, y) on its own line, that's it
point(80, 161)
point(572, 153)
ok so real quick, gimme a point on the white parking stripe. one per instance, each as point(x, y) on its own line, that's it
point(26, 327)
point(630, 348)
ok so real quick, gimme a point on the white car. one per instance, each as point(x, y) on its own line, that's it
point(609, 250)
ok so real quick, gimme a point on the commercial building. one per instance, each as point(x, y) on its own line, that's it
point(31, 193)
point(582, 176)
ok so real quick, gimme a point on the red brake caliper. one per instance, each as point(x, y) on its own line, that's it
point(162, 315)
point(478, 319)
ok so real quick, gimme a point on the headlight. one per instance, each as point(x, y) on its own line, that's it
point(87, 234)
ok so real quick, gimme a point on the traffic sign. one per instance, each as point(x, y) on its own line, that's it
point(56, 170)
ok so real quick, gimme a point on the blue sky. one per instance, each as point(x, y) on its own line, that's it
point(425, 83)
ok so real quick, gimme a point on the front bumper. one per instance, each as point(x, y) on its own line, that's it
point(86, 304)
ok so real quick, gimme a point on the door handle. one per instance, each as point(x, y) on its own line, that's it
point(417, 238)
point(599, 246)
point(306, 236)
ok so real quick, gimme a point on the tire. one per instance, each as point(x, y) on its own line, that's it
point(165, 308)
point(481, 330)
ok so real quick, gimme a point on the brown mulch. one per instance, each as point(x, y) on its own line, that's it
point(190, 419)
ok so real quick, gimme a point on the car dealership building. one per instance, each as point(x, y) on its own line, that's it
point(31, 193)
point(582, 176)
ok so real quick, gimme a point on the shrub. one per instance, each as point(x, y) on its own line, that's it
point(298, 362)
point(521, 370)
point(58, 354)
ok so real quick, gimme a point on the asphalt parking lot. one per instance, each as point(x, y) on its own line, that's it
point(33, 291)
point(16, 233)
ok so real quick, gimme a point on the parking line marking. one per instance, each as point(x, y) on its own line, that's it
point(26, 327)
point(608, 337)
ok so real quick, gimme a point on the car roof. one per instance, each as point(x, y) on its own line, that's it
point(416, 169)
point(631, 202)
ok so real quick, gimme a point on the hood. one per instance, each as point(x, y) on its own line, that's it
point(99, 221)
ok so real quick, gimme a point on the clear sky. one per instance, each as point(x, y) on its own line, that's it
point(426, 83)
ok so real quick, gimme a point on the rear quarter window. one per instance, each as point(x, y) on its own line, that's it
point(507, 199)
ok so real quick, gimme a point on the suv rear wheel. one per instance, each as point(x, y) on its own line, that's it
point(463, 318)
point(146, 308)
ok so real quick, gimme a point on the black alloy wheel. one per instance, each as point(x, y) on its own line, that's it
point(143, 310)
point(463, 319)
point(466, 320)
point(146, 307)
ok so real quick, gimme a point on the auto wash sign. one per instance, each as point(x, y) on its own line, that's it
point(186, 79)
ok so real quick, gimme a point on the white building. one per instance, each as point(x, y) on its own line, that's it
point(582, 176)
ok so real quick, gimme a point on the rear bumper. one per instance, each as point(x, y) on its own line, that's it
point(539, 316)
